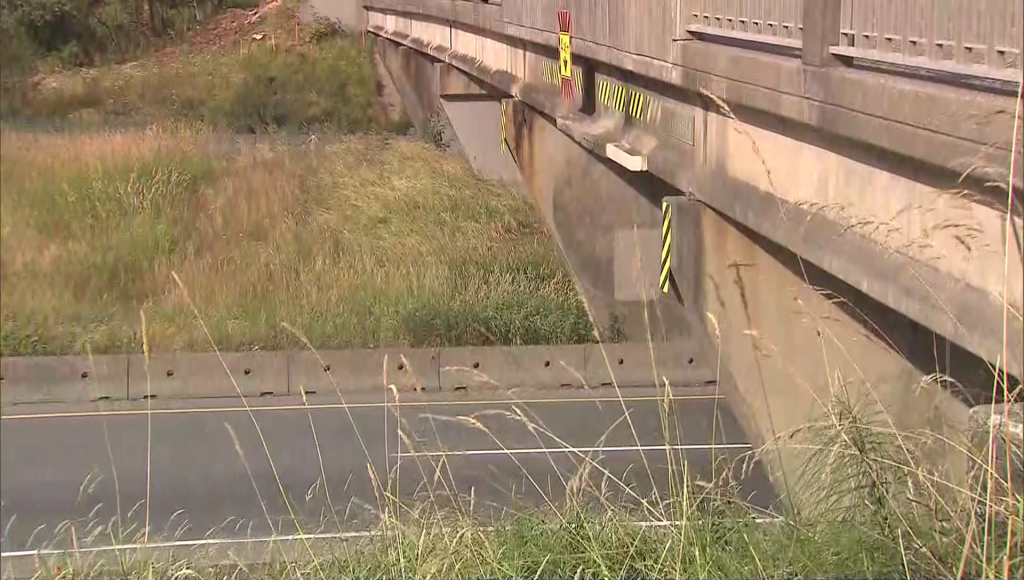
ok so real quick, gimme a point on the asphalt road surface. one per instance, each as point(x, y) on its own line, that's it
point(79, 475)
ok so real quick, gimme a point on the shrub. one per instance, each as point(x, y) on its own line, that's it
point(16, 58)
point(333, 86)
point(322, 29)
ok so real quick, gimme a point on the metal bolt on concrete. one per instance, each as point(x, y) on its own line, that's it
point(63, 378)
point(205, 375)
point(408, 369)
point(474, 368)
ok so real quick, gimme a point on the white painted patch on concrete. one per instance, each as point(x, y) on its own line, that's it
point(631, 161)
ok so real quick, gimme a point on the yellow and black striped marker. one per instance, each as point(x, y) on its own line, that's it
point(666, 245)
point(603, 89)
point(612, 95)
point(551, 75)
point(636, 104)
point(642, 106)
point(609, 94)
point(503, 126)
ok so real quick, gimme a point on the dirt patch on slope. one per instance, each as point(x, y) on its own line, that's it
point(236, 29)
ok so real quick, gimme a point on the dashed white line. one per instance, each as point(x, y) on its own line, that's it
point(578, 450)
point(324, 406)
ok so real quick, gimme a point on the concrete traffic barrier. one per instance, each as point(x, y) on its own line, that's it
point(630, 365)
point(512, 367)
point(200, 375)
point(63, 379)
point(409, 369)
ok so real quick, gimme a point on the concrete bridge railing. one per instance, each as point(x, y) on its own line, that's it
point(959, 37)
point(981, 38)
point(774, 22)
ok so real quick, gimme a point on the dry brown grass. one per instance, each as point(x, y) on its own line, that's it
point(362, 241)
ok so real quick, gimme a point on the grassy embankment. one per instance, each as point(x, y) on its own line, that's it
point(370, 239)
point(363, 241)
point(262, 173)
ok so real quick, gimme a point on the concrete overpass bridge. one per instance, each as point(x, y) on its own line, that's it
point(837, 173)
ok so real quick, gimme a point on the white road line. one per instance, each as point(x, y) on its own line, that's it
point(400, 404)
point(671, 523)
point(578, 450)
point(291, 538)
point(190, 544)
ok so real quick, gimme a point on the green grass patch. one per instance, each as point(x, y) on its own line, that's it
point(332, 85)
point(716, 540)
point(360, 242)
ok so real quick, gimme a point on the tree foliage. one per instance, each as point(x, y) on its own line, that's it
point(83, 32)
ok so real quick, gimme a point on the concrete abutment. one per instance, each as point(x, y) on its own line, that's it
point(793, 340)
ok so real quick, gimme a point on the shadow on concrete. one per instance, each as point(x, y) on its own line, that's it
point(964, 375)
